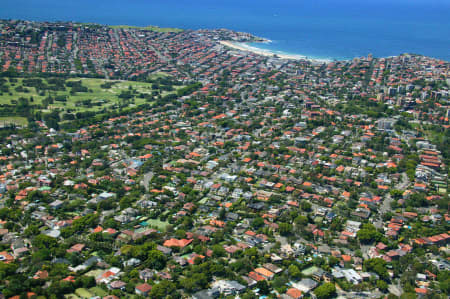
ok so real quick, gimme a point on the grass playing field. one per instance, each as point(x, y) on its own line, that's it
point(97, 95)
point(161, 225)
point(9, 120)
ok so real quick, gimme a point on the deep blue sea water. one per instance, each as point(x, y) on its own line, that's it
point(327, 29)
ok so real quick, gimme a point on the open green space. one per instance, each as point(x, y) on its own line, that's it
point(98, 291)
point(76, 98)
point(309, 271)
point(16, 120)
point(161, 225)
point(96, 94)
point(83, 293)
point(94, 273)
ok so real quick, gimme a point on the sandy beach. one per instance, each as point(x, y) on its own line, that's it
point(247, 48)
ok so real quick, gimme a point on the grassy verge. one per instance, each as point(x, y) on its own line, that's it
point(83, 293)
point(16, 120)
point(98, 291)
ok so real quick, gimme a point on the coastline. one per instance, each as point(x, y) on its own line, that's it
point(247, 48)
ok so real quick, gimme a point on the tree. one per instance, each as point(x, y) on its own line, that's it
point(163, 289)
point(31, 230)
point(222, 214)
point(378, 266)
point(6, 270)
point(444, 281)
point(241, 266)
point(327, 290)
point(52, 119)
point(257, 222)
point(382, 285)
point(44, 242)
point(368, 234)
point(156, 260)
point(60, 288)
point(285, 229)
point(248, 295)
point(195, 282)
point(263, 287)
point(332, 261)
point(396, 193)
point(188, 89)
point(306, 206)
point(301, 220)
point(180, 233)
point(279, 283)
point(294, 272)
point(85, 282)
point(218, 251)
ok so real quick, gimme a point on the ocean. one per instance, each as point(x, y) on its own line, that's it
point(321, 29)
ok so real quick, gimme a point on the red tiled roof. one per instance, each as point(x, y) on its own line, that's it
point(264, 272)
point(177, 243)
point(294, 293)
point(255, 276)
point(144, 288)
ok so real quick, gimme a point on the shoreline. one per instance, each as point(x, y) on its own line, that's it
point(268, 53)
